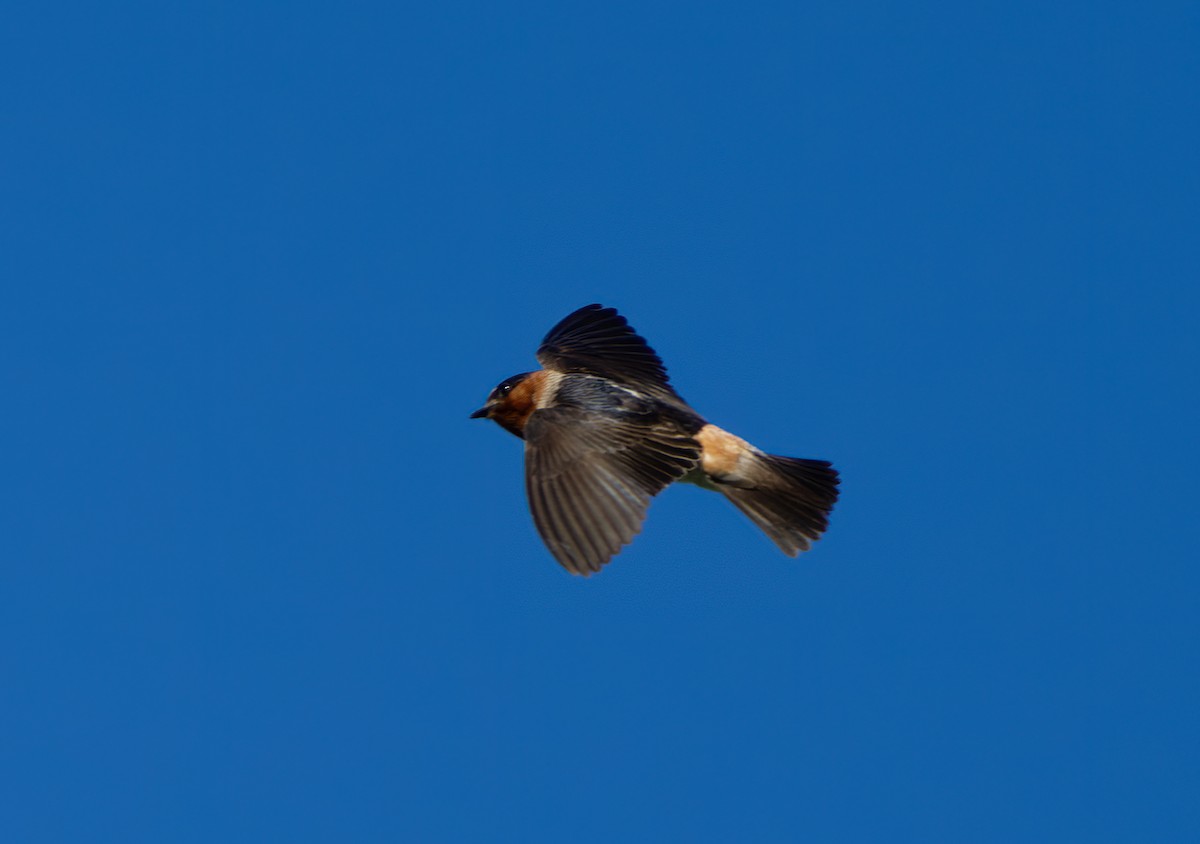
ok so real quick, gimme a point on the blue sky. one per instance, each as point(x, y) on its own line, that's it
point(262, 579)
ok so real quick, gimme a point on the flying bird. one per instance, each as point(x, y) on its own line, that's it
point(604, 432)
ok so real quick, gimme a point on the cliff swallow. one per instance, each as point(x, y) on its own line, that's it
point(604, 432)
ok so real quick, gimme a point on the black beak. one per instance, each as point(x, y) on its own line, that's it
point(480, 414)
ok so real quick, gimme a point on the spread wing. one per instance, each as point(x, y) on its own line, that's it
point(598, 341)
point(590, 478)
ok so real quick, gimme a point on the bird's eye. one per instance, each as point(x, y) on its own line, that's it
point(505, 389)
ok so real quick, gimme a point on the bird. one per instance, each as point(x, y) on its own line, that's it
point(605, 432)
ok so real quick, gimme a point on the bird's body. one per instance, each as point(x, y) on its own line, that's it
point(604, 432)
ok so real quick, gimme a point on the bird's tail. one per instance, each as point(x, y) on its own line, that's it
point(788, 497)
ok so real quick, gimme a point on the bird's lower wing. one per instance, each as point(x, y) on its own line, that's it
point(590, 479)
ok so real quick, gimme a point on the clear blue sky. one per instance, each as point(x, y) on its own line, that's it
point(262, 580)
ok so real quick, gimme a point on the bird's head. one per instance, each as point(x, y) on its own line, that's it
point(510, 404)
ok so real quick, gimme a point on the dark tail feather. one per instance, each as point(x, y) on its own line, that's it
point(788, 497)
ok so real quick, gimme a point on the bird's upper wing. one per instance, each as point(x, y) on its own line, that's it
point(598, 341)
point(590, 477)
